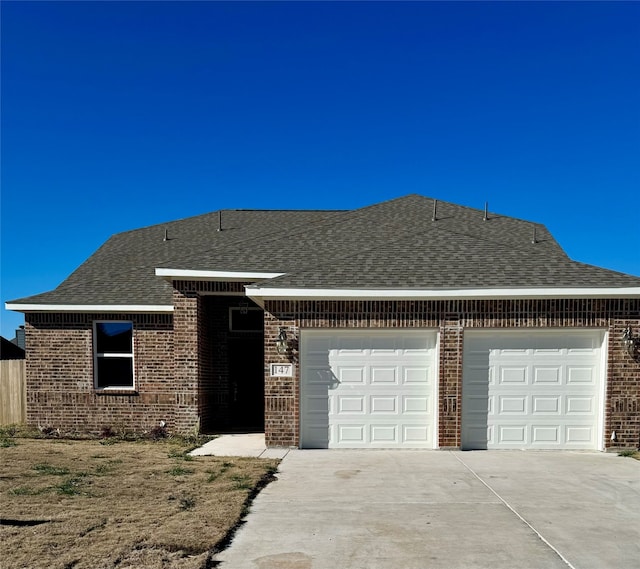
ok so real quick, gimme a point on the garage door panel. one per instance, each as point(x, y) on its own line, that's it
point(384, 375)
point(384, 434)
point(542, 352)
point(382, 395)
point(547, 393)
point(351, 375)
point(350, 405)
point(512, 405)
point(384, 405)
point(415, 375)
point(546, 404)
point(416, 435)
point(510, 352)
point(581, 375)
point(547, 374)
point(512, 434)
point(579, 434)
point(545, 435)
point(420, 405)
point(513, 375)
point(580, 405)
point(351, 433)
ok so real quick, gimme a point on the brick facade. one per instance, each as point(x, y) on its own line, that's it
point(182, 368)
point(60, 382)
point(451, 318)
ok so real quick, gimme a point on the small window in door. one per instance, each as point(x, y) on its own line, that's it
point(245, 319)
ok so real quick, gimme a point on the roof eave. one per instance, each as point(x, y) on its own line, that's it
point(269, 293)
point(103, 308)
point(190, 274)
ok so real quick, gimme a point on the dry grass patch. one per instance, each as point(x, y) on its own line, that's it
point(86, 504)
point(630, 453)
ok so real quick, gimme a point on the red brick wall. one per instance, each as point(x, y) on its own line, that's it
point(281, 394)
point(180, 380)
point(451, 318)
point(187, 312)
point(200, 333)
point(180, 366)
point(60, 382)
point(622, 407)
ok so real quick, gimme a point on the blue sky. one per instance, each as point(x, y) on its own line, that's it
point(118, 115)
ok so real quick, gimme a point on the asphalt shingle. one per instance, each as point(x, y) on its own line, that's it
point(394, 244)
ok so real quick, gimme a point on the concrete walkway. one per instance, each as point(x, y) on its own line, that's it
point(251, 444)
point(443, 510)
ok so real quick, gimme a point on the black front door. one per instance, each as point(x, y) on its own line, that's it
point(246, 383)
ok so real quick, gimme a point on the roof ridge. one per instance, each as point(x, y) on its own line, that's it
point(303, 228)
point(214, 212)
point(423, 233)
point(261, 238)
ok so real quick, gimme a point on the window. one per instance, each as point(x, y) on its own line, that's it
point(113, 359)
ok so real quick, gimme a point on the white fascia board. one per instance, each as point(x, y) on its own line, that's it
point(188, 274)
point(471, 294)
point(148, 308)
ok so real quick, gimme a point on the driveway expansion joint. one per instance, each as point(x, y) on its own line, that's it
point(513, 510)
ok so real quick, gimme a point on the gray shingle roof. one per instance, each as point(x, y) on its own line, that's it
point(394, 244)
point(122, 271)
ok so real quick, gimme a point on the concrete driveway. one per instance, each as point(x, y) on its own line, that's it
point(373, 509)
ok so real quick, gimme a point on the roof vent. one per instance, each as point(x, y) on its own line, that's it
point(534, 238)
point(220, 220)
point(486, 211)
point(166, 235)
point(434, 217)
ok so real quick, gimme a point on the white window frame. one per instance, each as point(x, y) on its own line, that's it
point(97, 356)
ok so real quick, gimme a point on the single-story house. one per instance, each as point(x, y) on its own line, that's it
point(412, 323)
point(9, 350)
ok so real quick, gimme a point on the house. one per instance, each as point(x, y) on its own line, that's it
point(9, 350)
point(411, 323)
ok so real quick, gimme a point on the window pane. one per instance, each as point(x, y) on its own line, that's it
point(114, 337)
point(115, 372)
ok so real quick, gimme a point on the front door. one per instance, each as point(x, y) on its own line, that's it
point(246, 383)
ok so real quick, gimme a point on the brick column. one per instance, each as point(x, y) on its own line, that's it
point(187, 308)
point(450, 396)
point(622, 399)
point(281, 394)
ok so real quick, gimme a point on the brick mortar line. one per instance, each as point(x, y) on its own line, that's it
point(513, 510)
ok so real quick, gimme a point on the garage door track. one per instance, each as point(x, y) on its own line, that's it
point(377, 509)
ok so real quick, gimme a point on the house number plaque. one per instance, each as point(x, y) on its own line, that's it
point(281, 370)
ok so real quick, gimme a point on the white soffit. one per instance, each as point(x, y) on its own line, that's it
point(150, 308)
point(436, 294)
point(188, 274)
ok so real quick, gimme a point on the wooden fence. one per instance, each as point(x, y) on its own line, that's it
point(13, 392)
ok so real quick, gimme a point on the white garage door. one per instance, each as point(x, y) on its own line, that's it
point(367, 388)
point(532, 389)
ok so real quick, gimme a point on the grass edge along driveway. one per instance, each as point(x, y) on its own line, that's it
point(75, 504)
